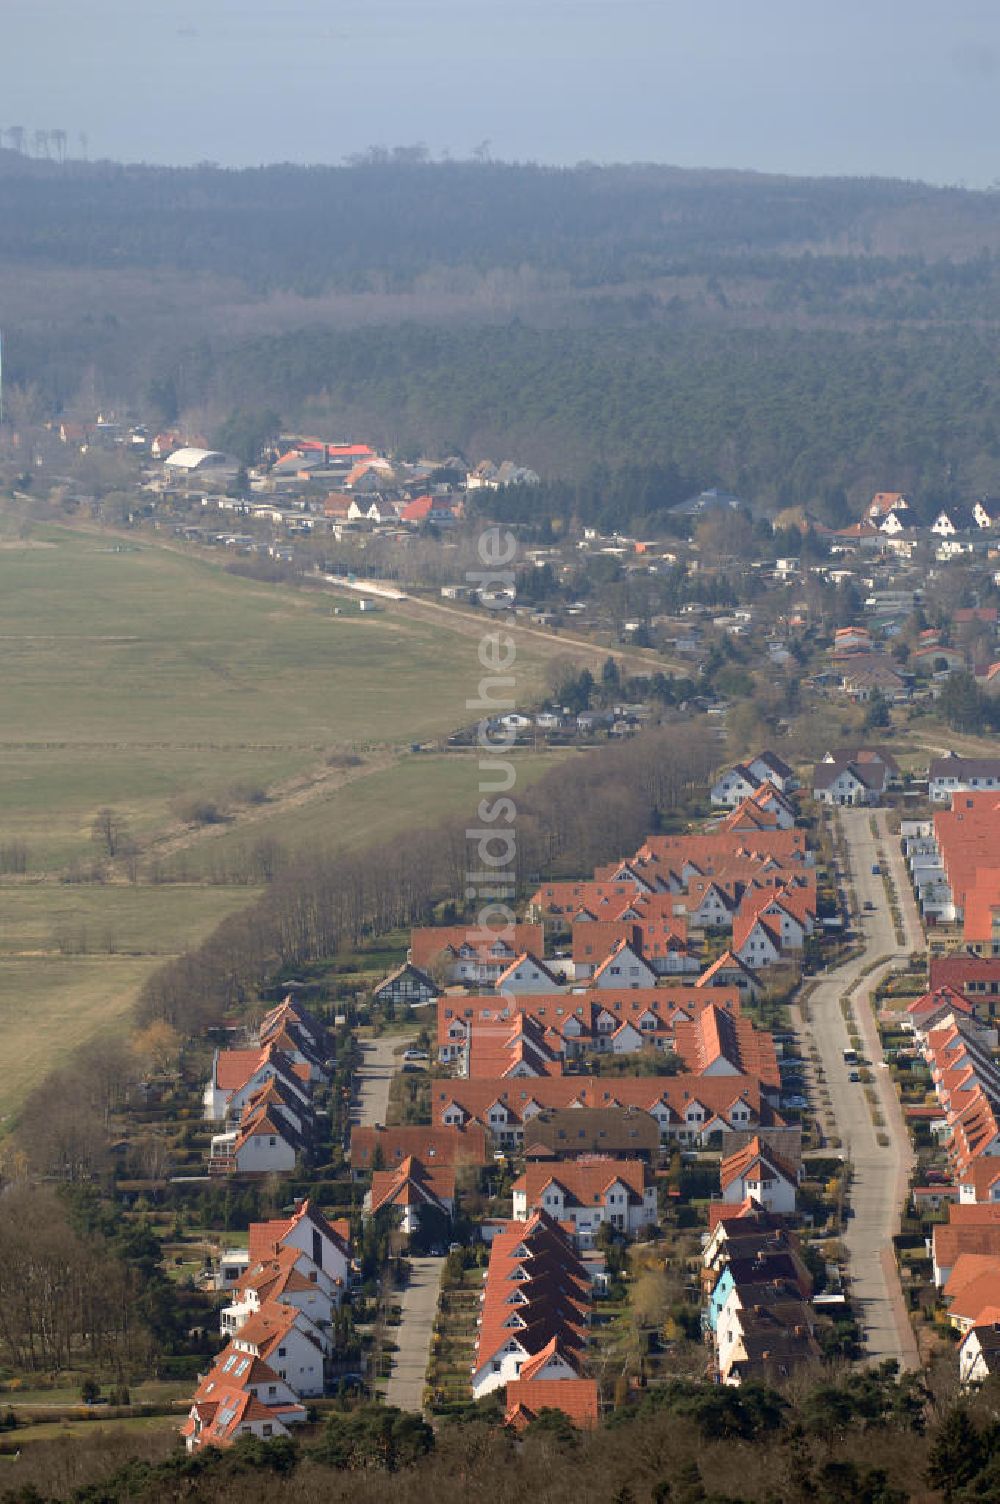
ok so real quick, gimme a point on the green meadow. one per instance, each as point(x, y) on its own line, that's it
point(143, 678)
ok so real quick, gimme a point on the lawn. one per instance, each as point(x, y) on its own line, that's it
point(51, 1430)
point(51, 999)
point(77, 919)
point(417, 789)
point(132, 677)
point(138, 676)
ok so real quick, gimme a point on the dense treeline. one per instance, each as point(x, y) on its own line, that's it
point(71, 1290)
point(786, 338)
point(865, 1438)
point(789, 418)
point(596, 807)
point(383, 222)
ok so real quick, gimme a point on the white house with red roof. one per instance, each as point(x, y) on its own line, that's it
point(412, 1189)
point(266, 1142)
point(588, 1192)
point(755, 1173)
point(238, 1074)
point(290, 1342)
point(527, 974)
point(240, 1396)
point(729, 971)
point(290, 1278)
point(624, 967)
point(534, 1309)
point(757, 941)
point(308, 1231)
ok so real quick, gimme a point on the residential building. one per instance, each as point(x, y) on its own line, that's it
point(577, 1399)
point(415, 1193)
point(952, 775)
point(407, 986)
point(979, 1351)
point(566, 1133)
point(756, 1173)
point(387, 1148)
point(535, 1307)
point(589, 1192)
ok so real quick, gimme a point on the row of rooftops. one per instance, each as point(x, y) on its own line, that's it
point(967, 836)
point(534, 1313)
point(757, 1292)
point(966, 1079)
point(244, 1393)
point(271, 1083)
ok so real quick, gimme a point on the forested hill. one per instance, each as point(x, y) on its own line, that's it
point(310, 227)
point(779, 417)
point(790, 338)
point(385, 222)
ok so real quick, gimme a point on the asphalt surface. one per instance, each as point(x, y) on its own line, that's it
point(413, 1336)
point(419, 1300)
point(879, 1171)
point(379, 1065)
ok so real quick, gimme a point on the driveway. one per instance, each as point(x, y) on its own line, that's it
point(379, 1063)
point(879, 1172)
point(413, 1335)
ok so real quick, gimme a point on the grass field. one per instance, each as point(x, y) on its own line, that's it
point(140, 677)
point(416, 790)
point(50, 1003)
point(130, 921)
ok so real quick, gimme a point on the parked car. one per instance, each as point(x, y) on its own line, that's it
point(415, 1055)
point(854, 1076)
point(869, 906)
point(876, 870)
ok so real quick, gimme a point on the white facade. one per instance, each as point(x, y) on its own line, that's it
point(528, 976)
point(295, 1358)
point(758, 949)
point(317, 1303)
point(846, 788)
point(626, 969)
point(616, 1207)
point(259, 1153)
point(712, 912)
point(946, 782)
point(972, 1365)
point(765, 1184)
point(732, 787)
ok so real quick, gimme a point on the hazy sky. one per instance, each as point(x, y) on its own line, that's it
point(902, 87)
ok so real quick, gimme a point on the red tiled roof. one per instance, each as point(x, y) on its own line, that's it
point(527, 1398)
point(584, 1181)
point(428, 943)
point(412, 1184)
point(264, 1238)
point(736, 1166)
point(434, 1146)
point(235, 1067)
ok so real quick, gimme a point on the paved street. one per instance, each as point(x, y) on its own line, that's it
point(419, 1300)
point(413, 1335)
point(379, 1065)
point(880, 1173)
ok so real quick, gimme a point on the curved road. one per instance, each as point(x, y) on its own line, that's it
point(880, 1173)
